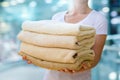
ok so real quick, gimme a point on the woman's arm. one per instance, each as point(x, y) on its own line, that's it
point(98, 47)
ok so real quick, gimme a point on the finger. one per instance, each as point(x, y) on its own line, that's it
point(66, 70)
point(24, 57)
point(82, 69)
point(85, 65)
point(89, 64)
point(61, 70)
point(29, 62)
point(69, 71)
point(73, 71)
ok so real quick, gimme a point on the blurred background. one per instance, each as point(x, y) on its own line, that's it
point(14, 12)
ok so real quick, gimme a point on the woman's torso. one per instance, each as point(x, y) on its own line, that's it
point(91, 19)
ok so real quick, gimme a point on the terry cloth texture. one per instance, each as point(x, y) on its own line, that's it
point(56, 45)
point(45, 40)
point(57, 28)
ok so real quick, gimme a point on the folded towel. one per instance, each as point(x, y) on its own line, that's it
point(45, 40)
point(56, 45)
point(54, 54)
point(58, 66)
point(55, 27)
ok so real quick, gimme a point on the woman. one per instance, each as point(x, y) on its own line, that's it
point(80, 13)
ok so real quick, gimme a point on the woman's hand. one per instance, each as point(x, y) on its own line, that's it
point(25, 58)
point(85, 66)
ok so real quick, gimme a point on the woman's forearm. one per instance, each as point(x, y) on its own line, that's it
point(98, 47)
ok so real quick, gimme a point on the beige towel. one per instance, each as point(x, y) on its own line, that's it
point(54, 54)
point(54, 27)
point(40, 37)
point(45, 40)
point(58, 66)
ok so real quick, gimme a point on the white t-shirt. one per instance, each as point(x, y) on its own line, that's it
point(95, 19)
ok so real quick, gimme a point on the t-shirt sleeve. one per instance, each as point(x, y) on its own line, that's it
point(101, 25)
point(58, 16)
point(54, 17)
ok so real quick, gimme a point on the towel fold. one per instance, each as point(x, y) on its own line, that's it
point(55, 54)
point(55, 45)
point(59, 66)
point(55, 27)
point(45, 40)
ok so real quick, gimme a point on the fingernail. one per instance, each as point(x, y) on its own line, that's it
point(73, 71)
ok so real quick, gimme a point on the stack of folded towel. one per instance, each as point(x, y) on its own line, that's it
point(56, 45)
